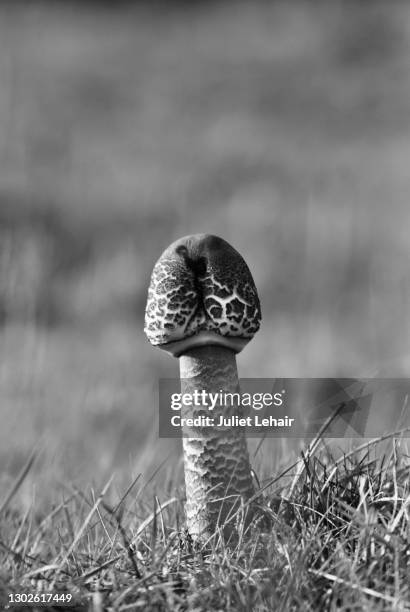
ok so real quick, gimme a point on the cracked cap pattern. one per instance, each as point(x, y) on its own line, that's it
point(201, 292)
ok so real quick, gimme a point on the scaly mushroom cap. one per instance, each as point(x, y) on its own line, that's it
point(201, 293)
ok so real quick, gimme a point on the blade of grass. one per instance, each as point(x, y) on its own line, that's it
point(312, 448)
point(150, 518)
point(358, 587)
point(366, 445)
point(19, 480)
point(85, 523)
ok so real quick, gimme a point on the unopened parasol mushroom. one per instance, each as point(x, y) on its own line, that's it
point(203, 308)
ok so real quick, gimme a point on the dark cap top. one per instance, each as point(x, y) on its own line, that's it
point(201, 293)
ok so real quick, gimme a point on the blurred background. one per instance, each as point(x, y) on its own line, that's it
point(282, 127)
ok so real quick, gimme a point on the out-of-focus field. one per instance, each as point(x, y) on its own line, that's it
point(283, 127)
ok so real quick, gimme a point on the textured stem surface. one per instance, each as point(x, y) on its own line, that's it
point(216, 461)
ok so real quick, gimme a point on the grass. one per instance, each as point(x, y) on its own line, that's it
point(334, 538)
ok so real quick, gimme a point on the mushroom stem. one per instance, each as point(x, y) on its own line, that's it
point(217, 469)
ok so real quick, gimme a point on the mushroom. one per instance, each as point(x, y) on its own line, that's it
point(203, 308)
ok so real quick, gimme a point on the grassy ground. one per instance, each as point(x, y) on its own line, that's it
point(285, 130)
point(334, 536)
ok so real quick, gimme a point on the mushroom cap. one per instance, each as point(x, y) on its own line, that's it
point(201, 293)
